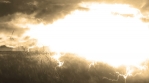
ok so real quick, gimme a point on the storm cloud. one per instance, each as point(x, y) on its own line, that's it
point(50, 10)
point(15, 14)
point(45, 10)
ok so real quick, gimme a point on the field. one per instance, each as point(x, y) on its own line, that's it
point(32, 67)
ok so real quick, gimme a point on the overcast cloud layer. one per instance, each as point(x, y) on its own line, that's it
point(15, 13)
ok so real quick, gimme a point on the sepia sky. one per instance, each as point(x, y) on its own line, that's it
point(109, 28)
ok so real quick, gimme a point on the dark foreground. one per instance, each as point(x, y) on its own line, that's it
point(23, 67)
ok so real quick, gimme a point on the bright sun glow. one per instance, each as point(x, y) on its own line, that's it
point(97, 34)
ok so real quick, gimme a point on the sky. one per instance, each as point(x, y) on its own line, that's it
point(114, 31)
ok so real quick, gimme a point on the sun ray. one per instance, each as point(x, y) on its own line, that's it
point(98, 35)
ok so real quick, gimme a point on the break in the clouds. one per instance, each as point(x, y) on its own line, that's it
point(142, 5)
point(15, 14)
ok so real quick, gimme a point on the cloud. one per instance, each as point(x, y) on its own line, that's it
point(7, 29)
point(45, 10)
point(124, 15)
point(25, 41)
point(17, 23)
point(15, 14)
point(142, 5)
point(48, 11)
point(145, 19)
point(4, 1)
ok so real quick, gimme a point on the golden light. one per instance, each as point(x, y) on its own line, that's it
point(98, 35)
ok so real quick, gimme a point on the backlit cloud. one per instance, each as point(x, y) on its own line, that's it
point(64, 23)
point(48, 11)
point(15, 14)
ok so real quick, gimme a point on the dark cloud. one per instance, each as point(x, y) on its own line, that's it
point(50, 10)
point(45, 10)
point(15, 22)
point(56, 10)
point(4, 1)
point(14, 6)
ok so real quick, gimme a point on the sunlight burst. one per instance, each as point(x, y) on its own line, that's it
point(98, 34)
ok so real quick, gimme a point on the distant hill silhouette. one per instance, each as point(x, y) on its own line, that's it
point(23, 48)
point(5, 48)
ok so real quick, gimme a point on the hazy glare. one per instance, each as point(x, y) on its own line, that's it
point(112, 33)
